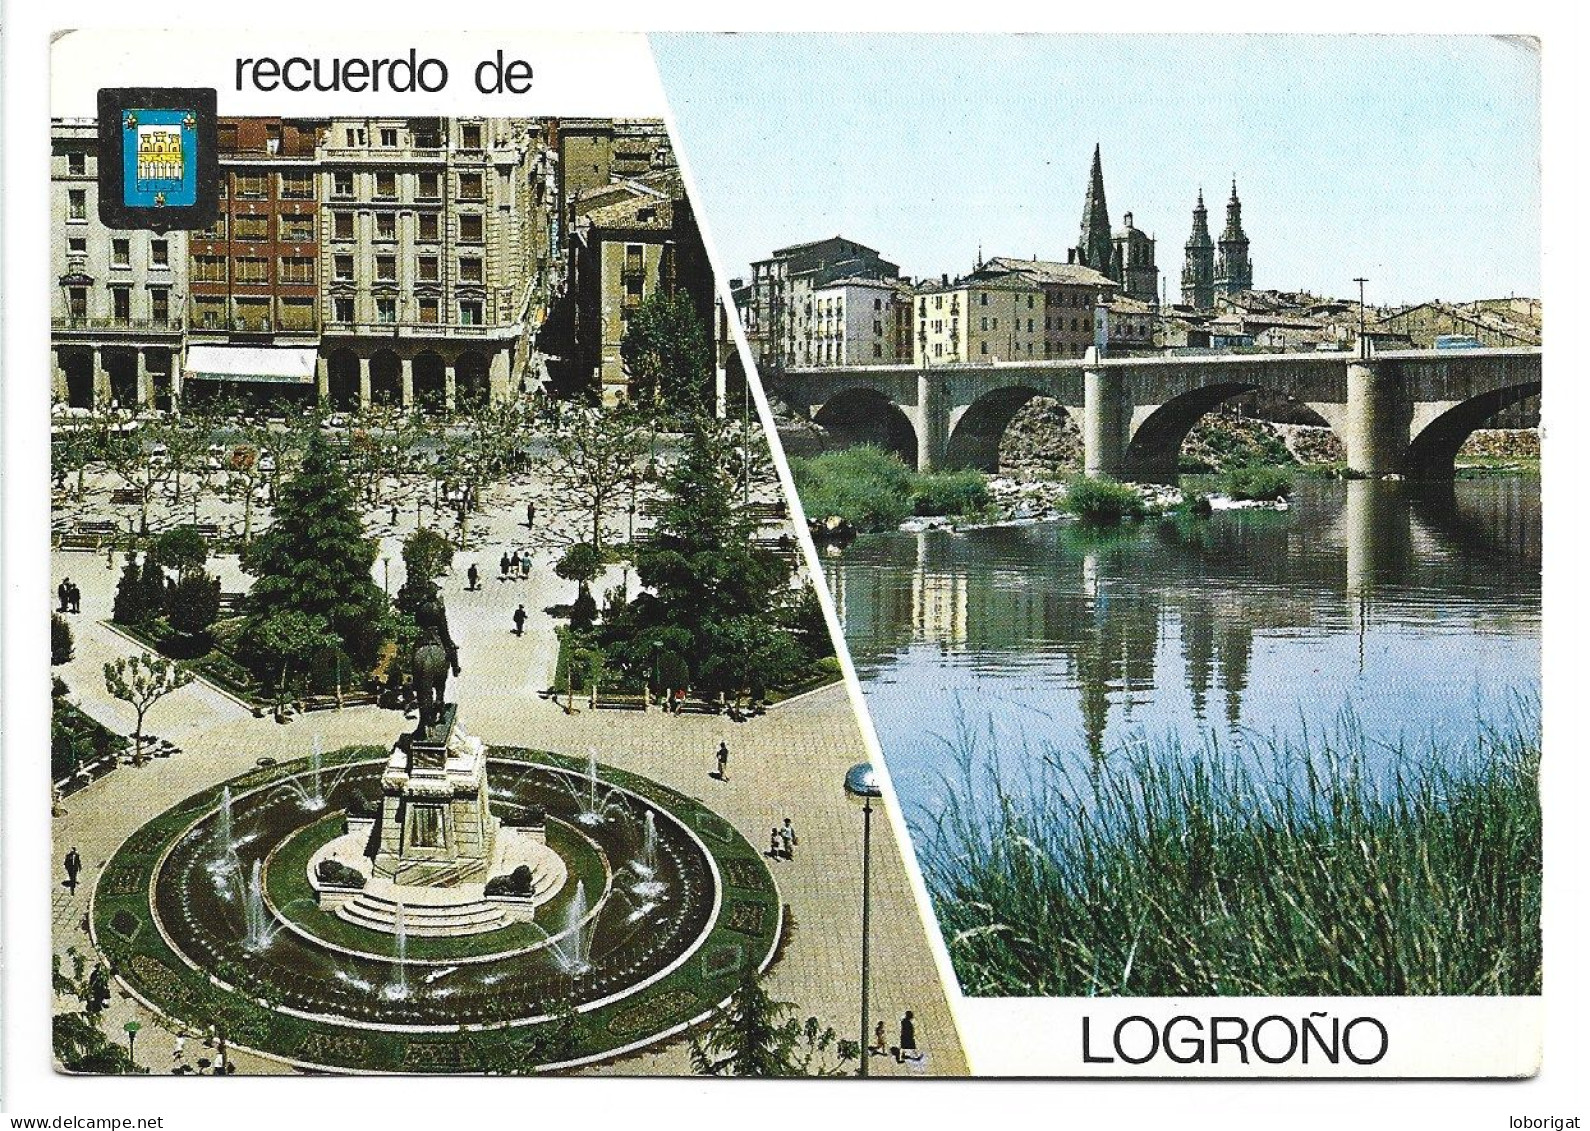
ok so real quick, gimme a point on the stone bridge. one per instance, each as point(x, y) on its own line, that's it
point(1405, 412)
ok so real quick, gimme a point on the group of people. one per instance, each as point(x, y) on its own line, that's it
point(905, 1050)
point(782, 843)
point(69, 596)
point(513, 565)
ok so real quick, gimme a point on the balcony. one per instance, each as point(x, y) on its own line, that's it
point(82, 323)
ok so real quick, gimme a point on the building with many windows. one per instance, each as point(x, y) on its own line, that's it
point(116, 307)
point(854, 321)
point(784, 285)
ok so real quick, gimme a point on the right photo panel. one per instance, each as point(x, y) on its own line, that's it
point(1166, 414)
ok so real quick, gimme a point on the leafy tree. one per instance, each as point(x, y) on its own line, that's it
point(195, 603)
point(284, 642)
point(60, 640)
point(315, 561)
point(131, 604)
point(595, 455)
point(426, 556)
point(132, 455)
point(243, 476)
point(666, 352)
point(79, 1043)
point(759, 1036)
point(143, 681)
point(153, 581)
point(182, 548)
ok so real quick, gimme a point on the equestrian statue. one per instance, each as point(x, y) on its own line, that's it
point(434, 654)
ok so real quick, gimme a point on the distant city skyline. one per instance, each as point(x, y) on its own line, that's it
point(1413, 160)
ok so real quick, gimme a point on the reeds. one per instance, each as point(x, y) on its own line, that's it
point(1321, 866)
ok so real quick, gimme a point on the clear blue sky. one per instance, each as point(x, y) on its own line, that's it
point(1412, 160)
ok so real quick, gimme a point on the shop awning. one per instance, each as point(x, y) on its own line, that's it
point(250, 363)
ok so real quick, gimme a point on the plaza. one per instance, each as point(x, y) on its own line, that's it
point(789, 762)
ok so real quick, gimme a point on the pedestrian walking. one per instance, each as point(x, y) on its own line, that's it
point(504, 565)
point(180, 1049)
point(723, 761)
point(530, 516)
point(787, 835)
point(394, 514)
point(474, 577)
point(513, 564)
point(74, 865)
point(880, 1043)
point(74, 596)
point(524, 564)
point(62, 594)
point(907, 1049)
point(519, 617)
point(775, 847)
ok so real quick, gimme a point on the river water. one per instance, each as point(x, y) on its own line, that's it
point(1412, 612)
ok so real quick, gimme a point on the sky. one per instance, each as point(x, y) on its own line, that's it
point(1412, 160)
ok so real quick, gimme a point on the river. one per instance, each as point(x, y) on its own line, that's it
point(1412, 611)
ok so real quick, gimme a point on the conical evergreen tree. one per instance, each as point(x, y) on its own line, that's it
point(314, 562)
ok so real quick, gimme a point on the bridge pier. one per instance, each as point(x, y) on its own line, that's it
point(1379, 413)
point(931, 440)
point(1106, 421)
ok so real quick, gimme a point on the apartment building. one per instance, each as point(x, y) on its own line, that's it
point(851, 322)
point(116, 306)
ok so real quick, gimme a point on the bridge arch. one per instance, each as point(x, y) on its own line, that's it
point(974, 439)
point(1153, 454)
point(868, 416)
point(1433, 449)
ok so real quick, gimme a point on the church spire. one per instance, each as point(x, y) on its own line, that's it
point(1198, 269)
point(1234, 270)
point(1096, 249)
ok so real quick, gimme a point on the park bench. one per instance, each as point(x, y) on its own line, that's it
point(603, 700)
point(231, 604)
point(208, 529)
point(125, 496)
point(767, 512)
point(90, 534)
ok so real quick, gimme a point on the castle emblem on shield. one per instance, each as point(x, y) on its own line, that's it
point(159, 154)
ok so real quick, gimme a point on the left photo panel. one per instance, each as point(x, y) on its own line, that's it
point(438, 681)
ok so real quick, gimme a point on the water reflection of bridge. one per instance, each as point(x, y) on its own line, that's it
point(1103, 612)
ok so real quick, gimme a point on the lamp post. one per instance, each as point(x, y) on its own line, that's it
point(132, 1028)
point(861, 781)
point(386, 574)
point(1363, 342)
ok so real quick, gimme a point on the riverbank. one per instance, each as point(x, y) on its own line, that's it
point(1307, 869)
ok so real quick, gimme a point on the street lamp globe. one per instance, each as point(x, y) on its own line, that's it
point(861, 780)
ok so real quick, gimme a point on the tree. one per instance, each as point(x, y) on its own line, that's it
point(60, 640)
point(666, 353)
point(426, 556)
point(195, 603)
point(182, 548)
point(139, 464)
point(143, 681)
point(595, 455)
point(315, 561)
point(283, 642)
point(131, 603)
point(79, 1043)
point(758, 1036)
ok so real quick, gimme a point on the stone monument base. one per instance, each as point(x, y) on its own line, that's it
point(436, 827)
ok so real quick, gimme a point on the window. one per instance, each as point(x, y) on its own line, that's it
point(355, 137)
point(984, 347)
point(298, 186)
point(297, 314)
point(342, 310)
point(430, 310)
point(159, 304)
point(389, 137)
point(209, 268)
point(386, 311)
point(386, 268)
point(296, 229)
point(251, 185)
point(342, 184)
point(252, 269)
point(386, 226)
point(469, 136)
point(985, 322)
point(471, 229)
point(342, 225)
point(121, 253)
point(253, 228)
point(77, 247)
point(428, 186)
point(77, 302)
point(984, 298)
point(471, 186)
point(938, 302)
point(159, 253)
point(254, 313)
point(877, 349)
point(386, 185)
point(469, 270)
point(77, 164)
point(217, 230)
point(342, 267)
point(877, 304)
point(428, 226)
point(429, 268)
point(470, 312)
point(121, 304)
point(77, 204)
point(1029, 302)
point(297, 269)
point(1029, 325)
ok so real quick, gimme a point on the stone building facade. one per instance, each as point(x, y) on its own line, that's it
point(1198, 271)
point(1233, 268)
point(853, 322)
point(1072, 297)
point(116, 307)
point(783, 290)
point(1005, 318)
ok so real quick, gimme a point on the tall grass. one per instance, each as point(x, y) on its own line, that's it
point(1322, 867)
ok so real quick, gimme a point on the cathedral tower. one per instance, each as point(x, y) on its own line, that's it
point(1097, 249)
point(1233, 270)
point(1198, 273)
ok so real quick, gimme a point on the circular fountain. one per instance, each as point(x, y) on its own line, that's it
point(638, 912)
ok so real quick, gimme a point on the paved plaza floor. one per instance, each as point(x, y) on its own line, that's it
point(787, 763)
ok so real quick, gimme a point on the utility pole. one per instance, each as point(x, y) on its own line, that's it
point(1363, 342)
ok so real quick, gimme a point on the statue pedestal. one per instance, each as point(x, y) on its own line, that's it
point(436, 827)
